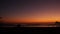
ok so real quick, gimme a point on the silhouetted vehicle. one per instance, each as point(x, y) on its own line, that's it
point(57, 24)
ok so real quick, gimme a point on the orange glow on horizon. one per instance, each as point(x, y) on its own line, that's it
point(30, 20)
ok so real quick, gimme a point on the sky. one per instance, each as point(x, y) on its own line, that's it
point(30, 10)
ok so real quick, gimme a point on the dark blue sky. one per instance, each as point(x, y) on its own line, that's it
point(30, 10)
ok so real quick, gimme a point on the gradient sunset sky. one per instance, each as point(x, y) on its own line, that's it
point(30, 10)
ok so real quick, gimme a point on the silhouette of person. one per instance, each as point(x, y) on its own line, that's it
point(1, 22)
point(18, 25)
point(0, 19)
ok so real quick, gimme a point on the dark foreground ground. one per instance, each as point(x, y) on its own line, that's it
point(27, 29)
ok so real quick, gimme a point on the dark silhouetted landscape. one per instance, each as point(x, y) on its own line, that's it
point(29, 15)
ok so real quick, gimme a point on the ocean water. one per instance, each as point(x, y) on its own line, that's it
point(41, 26)
point(33, 26)
point(29, 25)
